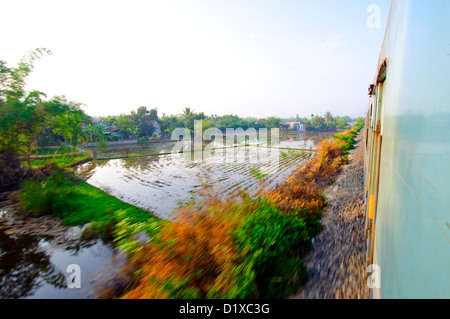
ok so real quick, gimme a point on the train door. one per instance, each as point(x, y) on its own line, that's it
point(373, 157)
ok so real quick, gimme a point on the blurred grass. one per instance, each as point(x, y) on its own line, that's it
point(60, 160)
point(76, 203)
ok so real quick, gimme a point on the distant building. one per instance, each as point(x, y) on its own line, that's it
point(114, 131)
point(295, 126)
point(101, 123)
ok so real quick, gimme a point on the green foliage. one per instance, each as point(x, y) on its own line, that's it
point(50, 196)
point(359, 123)
point(287, 276)
point(102, 145)
point(60, 161)
point(126, 125)
point(103, 229)
point(244, 277)
point(142, 118)
point(345, 159)
point(268, 247)
point(291, 153)
point(76, 202)
point(256, 172)
point(349, 141)
point(127, 229)
point(64, 117)
point(25, 117)
point(273, 242)
point(180, 289)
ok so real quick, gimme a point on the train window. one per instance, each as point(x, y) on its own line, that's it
point(382, 75)
point(382, 72)
point(379, 117)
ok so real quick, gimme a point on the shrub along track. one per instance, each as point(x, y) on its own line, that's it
point(336, 263)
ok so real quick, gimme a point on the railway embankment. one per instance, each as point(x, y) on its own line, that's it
point(336, 263)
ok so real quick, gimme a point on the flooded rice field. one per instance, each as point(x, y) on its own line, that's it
point(161, 183)
point(135, 149)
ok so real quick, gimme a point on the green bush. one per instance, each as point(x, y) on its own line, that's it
point(77, 203)
point(49, 196)
point(288, 275)
point(274, 242)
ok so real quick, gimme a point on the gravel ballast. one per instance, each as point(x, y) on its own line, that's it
point(336, 263)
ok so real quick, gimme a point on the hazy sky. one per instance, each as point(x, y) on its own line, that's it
point(247, 57)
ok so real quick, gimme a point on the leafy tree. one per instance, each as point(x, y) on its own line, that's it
point(126, 124)
point(360, 122)
point(153, 114)
point(65, 118)
point(22, 113)
point(317, 122)
point(142, 118)
point(328, 118)
point(188, 118)
point(112, 121)
point(26, 115)
point(341, 123)
point(169, 123)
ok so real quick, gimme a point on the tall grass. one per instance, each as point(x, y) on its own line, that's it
point(238, 247)
point(229, 248)
point(75, 202)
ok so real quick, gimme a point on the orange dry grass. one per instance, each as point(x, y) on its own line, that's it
point(195, 249)
point(303, 189)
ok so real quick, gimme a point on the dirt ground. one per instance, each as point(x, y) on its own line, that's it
point(336, 264)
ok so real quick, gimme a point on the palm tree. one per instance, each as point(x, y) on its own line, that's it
point(328, 117)
point(187, 116)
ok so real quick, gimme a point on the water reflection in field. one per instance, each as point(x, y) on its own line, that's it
point(33, 266)
point(159, 183)
point(307, 141)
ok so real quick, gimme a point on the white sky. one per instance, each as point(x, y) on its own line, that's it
point(247, 57)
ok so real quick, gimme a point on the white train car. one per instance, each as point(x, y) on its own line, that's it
point(408, 155)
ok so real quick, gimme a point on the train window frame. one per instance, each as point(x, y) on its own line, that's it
point(381, 84)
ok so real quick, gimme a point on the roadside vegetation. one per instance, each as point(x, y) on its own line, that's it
point(57, 191)
point(239, 247)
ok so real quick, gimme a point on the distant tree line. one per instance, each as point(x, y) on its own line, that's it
point(137, 124)
point(29, 119)
point(168, 123)
point(327, 122)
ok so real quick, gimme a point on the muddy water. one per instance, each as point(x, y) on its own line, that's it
point(36, 251)
point(161, 183)
point(33, 266)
